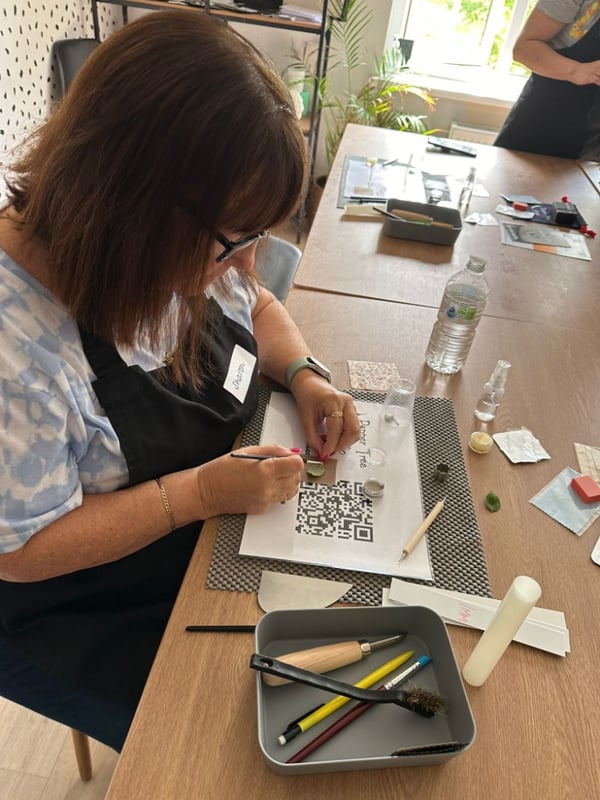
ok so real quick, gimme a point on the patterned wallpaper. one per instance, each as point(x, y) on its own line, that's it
point(28, 28)
point(27, 77)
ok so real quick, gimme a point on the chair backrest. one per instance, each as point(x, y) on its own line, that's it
point(69, 55)
point(276, 265)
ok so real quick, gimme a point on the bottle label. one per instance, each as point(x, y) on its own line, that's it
point(454, 311)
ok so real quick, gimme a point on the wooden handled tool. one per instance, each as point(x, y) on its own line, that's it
point(328, 657)
point(413, 216)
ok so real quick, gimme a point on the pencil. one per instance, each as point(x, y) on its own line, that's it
point(318, 714)
point(355, 712)
point(422, 529)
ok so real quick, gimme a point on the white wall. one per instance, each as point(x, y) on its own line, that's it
point(27, 74)
point(278, 44)
point(27, 82)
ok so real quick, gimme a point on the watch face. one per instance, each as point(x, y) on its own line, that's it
point(319, 367)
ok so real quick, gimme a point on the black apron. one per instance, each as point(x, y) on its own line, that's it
point(99, 628)
point(555, 118)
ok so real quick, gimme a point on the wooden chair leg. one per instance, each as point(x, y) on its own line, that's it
point(81, 744)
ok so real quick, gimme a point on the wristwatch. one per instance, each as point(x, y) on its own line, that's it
point(306, 362)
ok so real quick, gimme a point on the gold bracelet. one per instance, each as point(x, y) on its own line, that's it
point(166, 504)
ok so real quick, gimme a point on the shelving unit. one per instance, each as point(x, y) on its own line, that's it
point(322, 31)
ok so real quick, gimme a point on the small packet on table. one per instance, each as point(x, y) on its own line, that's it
point(520, 446)
point(560, 501)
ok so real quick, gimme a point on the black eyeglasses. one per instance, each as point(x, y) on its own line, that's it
point(240, 244)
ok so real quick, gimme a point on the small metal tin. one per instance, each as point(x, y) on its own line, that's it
point(441, 473)
point(373, 488)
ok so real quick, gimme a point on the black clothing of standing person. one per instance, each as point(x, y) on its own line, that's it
point(558, 111)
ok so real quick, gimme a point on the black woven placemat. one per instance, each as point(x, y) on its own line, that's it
point(455, 547)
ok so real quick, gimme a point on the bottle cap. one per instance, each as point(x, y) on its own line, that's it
point(480, 442)
point(476, 263)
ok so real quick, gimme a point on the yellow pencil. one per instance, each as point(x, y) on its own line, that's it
point(303, 724)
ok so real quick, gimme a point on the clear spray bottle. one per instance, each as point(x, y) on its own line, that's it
point(492, 393)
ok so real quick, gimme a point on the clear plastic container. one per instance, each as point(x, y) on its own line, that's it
point(461, 308)
point(492, 392)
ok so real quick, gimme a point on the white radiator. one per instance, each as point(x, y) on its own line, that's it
point(468, 134)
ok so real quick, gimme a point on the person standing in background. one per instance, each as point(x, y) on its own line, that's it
point(558, 111)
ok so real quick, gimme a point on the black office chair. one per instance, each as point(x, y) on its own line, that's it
point(69, 55)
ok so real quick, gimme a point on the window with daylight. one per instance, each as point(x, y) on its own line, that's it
point(456, 37)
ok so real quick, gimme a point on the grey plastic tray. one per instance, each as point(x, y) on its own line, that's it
point(367, 743)
point(423, 233)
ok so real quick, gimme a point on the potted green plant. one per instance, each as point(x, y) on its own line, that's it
point(378, 101)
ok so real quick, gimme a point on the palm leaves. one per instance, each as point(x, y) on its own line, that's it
point(378, 102)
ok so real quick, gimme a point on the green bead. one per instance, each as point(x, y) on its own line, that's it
point(315, 468)
point(492, 502)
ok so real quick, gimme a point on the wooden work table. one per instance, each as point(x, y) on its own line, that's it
point(354, 257)
point(195, 735)
point(592, 170)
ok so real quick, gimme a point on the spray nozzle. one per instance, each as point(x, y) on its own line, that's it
point(500, 374)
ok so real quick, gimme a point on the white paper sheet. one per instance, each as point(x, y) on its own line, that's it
point(531, 237)
point(349, 532)
point(543, 628)
point(371, 179)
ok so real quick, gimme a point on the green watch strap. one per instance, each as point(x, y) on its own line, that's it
point(306, 362)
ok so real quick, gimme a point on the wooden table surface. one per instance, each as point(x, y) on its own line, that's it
point(354, 257)
point(592, 170)
point(537, 716)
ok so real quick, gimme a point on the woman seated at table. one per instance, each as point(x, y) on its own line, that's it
point(558, 112)
point(132, 334)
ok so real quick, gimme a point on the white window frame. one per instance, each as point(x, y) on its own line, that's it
point(499, 82)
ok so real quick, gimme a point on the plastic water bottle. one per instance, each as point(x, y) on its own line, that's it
point(459, 314)
point(492, 392)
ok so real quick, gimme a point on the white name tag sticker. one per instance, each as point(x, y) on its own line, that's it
point(239, 373)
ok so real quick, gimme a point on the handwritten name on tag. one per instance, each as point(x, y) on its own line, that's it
point(239, 374)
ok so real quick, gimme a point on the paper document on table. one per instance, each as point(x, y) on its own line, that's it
point(375, 179)
point(337, 525)
point(544, 240)
point(588, 458)
point(544, 628)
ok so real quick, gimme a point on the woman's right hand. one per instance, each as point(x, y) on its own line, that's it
point(229, 485)
point(586, 73)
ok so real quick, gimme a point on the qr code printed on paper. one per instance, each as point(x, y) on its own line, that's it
point(337, 512)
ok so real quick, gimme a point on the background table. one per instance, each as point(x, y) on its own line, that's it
point(592, 170)
point(354, 257)
point(537, 716)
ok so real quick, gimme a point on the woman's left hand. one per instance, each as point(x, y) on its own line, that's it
point(328, 415)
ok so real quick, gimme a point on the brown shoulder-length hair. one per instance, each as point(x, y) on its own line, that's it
point(175, 128)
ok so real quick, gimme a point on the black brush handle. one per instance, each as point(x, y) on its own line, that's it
point(273, 666)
